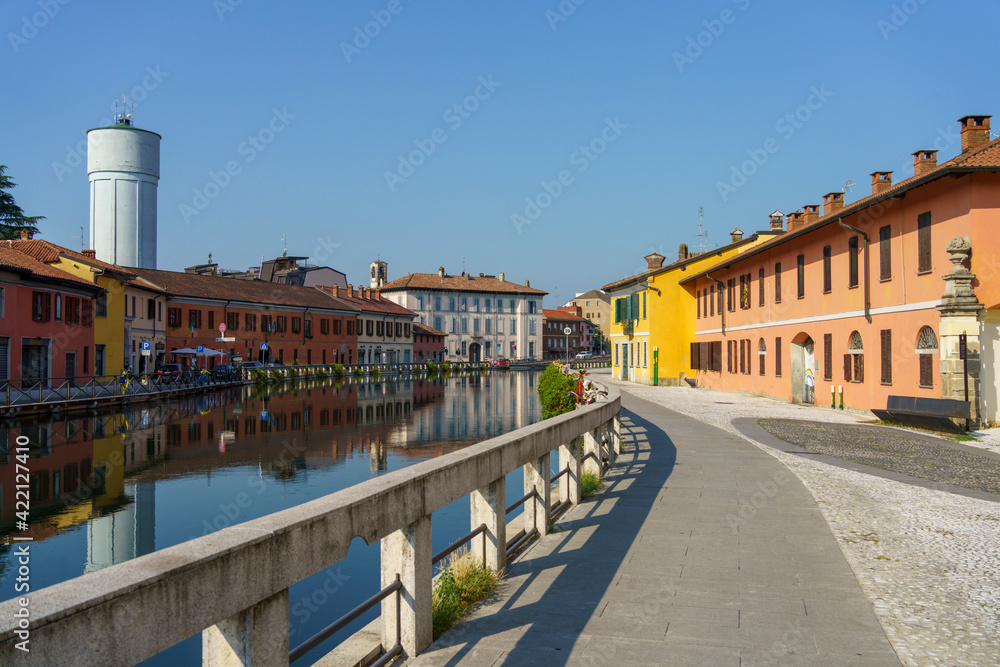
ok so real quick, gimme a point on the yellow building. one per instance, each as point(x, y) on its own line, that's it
point(110, 334)
point(653, 317)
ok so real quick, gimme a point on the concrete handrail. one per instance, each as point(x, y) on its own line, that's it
point(233, 584)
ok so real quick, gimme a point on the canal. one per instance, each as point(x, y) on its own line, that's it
point(112, 487)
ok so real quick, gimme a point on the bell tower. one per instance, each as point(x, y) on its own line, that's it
point(378, 271)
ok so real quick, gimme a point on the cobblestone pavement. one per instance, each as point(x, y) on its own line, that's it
point(892, 449)
point(929, 561)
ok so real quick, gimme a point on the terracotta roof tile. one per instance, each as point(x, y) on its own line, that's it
point(425, 330)
point(17, 261)
point(372, 305)
point(49, 252)
point(463, 283)
point(181, 284)
point(562, 315)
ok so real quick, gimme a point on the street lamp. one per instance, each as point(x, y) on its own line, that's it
point(567, 331)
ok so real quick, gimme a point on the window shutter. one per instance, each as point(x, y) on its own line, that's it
point(777, 282)
point(634, 315)
point(801, 260)
point(777, 357)
point(695, 361)
point(859, 368)
point(887, 356)
point(760, 283)
point(827, 272)
point(852, 252)
point(827, 356)
point(926, 370)
point(924, 242)
point(848, 363)
point(618, 311)
point(885, 253)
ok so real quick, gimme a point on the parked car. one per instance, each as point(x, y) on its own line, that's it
point(168, 372)
point(584, 355)
point(251, 364)
point(501, 362)
point(223, 373)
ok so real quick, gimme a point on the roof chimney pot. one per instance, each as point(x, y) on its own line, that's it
point(654, 260)
point(90, 253)
point(777, 221)
point(736, 235)
point(975, 131)
point(810, 214)
point(881, 181)
point(441, 272)
point(924, 161)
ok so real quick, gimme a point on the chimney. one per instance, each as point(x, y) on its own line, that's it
point(26, 234)
point(501, 277)
point(925, 161)
point(810, 214)
point(796, 220)
point(335, 290)
point(350, 290)
point(736, 235)
point(682, 253)
point(881, 181)
point(527, 283)
point(975, 131)
point(441, 272)
point(90, 253)
point(777, 221)
point(832, 202)
point(654, 260)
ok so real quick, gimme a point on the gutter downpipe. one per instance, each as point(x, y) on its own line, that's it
point(722, 311)
point(868, 292)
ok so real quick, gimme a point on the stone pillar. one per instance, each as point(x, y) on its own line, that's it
point(960, 311)
point(569, 484)
point(591, 444)
point(255, 636)
point(407, 552)
point(616, 428)
point(536, 510)
point(489, 506)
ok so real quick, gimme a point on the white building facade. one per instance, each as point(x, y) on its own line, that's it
point(484, 317)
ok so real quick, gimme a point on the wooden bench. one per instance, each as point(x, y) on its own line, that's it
point(936, 414)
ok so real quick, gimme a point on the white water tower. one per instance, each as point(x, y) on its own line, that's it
point(123, 164)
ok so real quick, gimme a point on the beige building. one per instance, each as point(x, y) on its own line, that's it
point(595, 306)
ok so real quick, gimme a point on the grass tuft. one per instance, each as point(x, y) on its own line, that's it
point(463, 583)
point(589, 484)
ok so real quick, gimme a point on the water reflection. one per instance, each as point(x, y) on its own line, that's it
point(107, 488)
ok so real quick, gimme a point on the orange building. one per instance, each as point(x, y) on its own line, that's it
point(858, 298)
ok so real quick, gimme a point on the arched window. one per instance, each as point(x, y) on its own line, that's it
point(761, 354)
point(854, 360)
point(927, 348)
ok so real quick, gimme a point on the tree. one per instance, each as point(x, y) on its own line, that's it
point(12, 218)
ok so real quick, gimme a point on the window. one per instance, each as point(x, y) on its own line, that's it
point(174, 317)
point(59, 307)
point(927, 349)
point(437, 322)
point(531, 326)
point(719, 294)
point(85, 313)
point(827, 269)
point(760, 286)
point(513, 305)
point(451, 303)
point(211, 319)
point(698, 302)
point(324, 327)
point(852, 261)
point(777, 282)
point(644, 353)
point(296, 325)
point(465, 304)
point(41, 306)
point(643, 306)
point(730, 287)
point(72, 310)
point(379, 329)
point(513, 325)
point(2, 300)
point(465, 325)
point(924, 242)
point(150, 309)
point(800, 263)
point(369, 328)
point(350, 329)
point(488, 326)
point(711, 299)
point(828, 356)
point(250, 321)
point(531, 307)
point(437, 303)
point(101, 306)
point(854, 360)
point(338, 326)
point(232, 321)
point(886, 336)
point(98, 360)
point(194, 319)
point(884, 253)
point(487, 305)
point(777, 357)
point(761, 353)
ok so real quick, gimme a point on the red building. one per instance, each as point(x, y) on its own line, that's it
point(270, 322)
point(46, 321)
point(555, 342)
point(428, 344)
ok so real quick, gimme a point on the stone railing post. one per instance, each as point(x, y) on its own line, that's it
point(616, 435)
point(407, 552)
point(536, 510)
point(489, 506)
point(255, 636)
point(592, 445)
point(569, 484)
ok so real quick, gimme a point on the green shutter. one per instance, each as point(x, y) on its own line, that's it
point(618, 311)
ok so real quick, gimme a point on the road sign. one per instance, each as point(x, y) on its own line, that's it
point(146, 346)
point(225, 340)
point(963, 349)
point(200, 349)
point(222, 327)
point(263, 346)
point(146, 352)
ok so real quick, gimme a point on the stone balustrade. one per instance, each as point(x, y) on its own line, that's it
point(232, 586)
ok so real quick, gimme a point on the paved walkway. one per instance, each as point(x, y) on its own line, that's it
point(701, 550)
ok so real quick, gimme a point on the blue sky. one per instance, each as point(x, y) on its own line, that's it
point(586, 134)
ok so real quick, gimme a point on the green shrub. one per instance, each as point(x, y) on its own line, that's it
point(260, 376)
point(432, 367)
point(445, 366)
point(276, 376)
point(339, 372)
point(555, 390)
point(463, 582)
point(322, 373)
point(589, 485)
point(376, 373)
point(358, 372)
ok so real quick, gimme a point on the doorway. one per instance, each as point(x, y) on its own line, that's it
point(803, 377)
point(475, 353)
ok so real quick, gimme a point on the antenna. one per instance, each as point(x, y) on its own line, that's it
point(847, 185)
point(703, 244)
point(82, 247)
point(284, 240)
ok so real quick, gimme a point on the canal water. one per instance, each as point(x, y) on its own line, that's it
point(109, 488)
